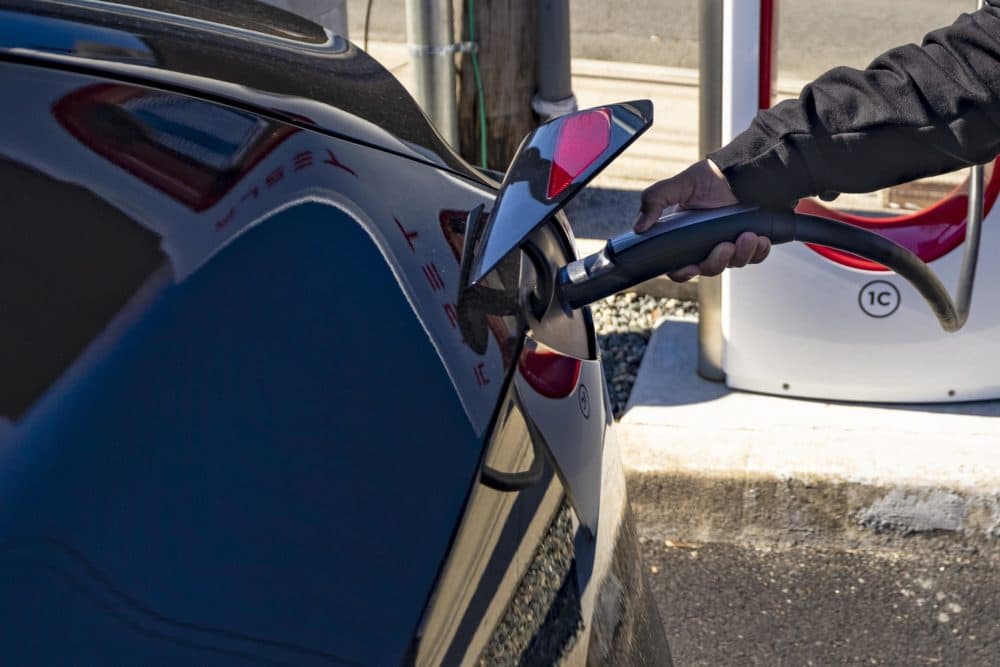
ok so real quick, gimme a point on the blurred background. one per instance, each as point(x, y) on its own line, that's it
point(814, 35)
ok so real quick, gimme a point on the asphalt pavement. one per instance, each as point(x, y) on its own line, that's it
point(813, 36)
point(730, 604)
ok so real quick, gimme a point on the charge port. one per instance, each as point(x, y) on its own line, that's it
point(536, 284)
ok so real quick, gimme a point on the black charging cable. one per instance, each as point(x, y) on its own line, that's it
point(633, 258)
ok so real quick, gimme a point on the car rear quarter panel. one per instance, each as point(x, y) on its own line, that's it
point(296, 377)
point(270, 457)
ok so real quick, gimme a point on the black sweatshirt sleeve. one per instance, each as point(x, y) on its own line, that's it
point(915, 111)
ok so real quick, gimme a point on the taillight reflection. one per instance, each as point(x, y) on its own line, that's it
point(581, 140)
point(549, 373)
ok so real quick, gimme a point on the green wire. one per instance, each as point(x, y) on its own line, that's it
point(481, 97)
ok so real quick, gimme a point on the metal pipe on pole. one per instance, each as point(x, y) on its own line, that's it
point(430, 34)
point(555, 86)
point(710, 339)
point(973, 234)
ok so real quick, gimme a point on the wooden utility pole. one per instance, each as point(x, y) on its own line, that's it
point(506, 33)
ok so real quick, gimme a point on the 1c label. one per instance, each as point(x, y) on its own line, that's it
point(879, 298)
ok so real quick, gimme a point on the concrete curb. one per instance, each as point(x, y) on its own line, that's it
point(771, 511)
point(708, 464)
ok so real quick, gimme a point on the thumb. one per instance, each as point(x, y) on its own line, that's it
point(646, 219)
point(674, 190)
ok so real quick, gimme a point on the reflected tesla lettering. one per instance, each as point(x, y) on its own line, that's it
point(433, 276)
point(302, 160)
point(452, 314)
point(407, 234)
point(299, 161)
point(225, 221)
point(275, 177)
point(332, 159)
point(480, 372)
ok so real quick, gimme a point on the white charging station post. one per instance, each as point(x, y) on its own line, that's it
point(741, 64)
point(801, 324)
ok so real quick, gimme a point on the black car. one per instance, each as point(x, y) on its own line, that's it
point(278, 384)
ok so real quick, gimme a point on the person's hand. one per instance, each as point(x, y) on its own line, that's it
point(701, 185)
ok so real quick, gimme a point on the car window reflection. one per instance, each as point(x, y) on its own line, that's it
point(191, 150)
point(70, 262)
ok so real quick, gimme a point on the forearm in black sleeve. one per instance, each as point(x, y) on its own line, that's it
point(915, 111)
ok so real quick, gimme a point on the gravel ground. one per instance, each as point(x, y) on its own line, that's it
point(624, 324)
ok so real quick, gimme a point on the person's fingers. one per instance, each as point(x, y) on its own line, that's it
point(685, 274)
point(763, 249)
point(654, 199)
point(646, 219)
point(746, 247)
point(718, 259)
point(702, 185)
point(658, 196)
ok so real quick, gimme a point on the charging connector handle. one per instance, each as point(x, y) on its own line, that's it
point(687, 237)
point(679, 239)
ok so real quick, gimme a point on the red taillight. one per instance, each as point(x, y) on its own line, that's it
point(549, 373)
point(581, 140)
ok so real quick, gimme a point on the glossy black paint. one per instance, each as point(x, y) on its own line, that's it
point(332, 87)
point(267, 454)
point(221, 473)
point(492, 551)
point(153, 153)
point(245, 14)
point(223, 482)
